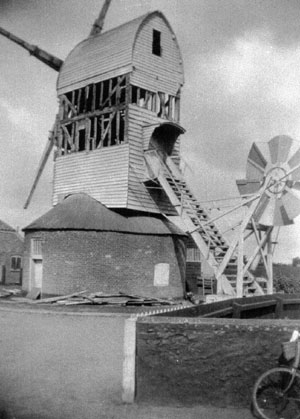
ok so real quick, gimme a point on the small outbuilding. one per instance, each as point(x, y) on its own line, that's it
point(80, 244)
point(11, 253)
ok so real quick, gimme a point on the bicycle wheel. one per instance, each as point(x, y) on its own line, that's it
point(275, 397)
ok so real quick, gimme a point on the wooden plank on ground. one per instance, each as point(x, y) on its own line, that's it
point(58, 298)
point(34, 293)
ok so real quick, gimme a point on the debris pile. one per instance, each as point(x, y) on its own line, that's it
point(100, 298)
point(4, 293)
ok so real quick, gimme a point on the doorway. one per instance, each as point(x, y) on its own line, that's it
point(37, 273)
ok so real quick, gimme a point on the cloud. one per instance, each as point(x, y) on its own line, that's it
point(223, 21)
point(248, 92)
point(20, 117)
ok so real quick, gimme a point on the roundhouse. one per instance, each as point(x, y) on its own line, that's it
point(80, 244)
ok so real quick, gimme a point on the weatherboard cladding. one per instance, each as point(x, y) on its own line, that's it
point(112, 175)
point(157, 73)
point(141, 124)
point(81, 212)
point(122, 50)
point(103, 174)
point(138, 196)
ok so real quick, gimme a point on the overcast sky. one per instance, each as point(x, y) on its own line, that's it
point(242, 84)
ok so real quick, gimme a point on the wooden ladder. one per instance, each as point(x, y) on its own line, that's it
point(212, 245)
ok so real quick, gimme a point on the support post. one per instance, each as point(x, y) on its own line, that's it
point(128, 381)
point(240, 265)
point(270, 265)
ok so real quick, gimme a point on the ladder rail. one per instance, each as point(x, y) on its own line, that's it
point(202, 227)
point(164, 175)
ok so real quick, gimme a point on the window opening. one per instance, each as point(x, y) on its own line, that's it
point(89, 98)
point(193, 255)
point(156, 46)
point(15, 263)
point(81, 139)
point(81, 100)
point(36, 246)
point(94, 116)
point(134, 94)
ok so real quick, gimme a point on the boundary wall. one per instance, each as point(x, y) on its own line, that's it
point(193, 356)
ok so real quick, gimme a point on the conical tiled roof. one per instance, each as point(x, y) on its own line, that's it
point(81, 212)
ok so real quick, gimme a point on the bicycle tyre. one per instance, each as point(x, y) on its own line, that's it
point(271, 400)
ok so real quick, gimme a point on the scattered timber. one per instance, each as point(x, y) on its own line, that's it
point(58, 298)
point(99, 298)
point(4, 293)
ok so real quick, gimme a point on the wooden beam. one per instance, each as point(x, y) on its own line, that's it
point(99, 22)
point(87, 134)
point(68, 137)
point(234, 243)
point(128, 99)
point(101, 94)
point(118, 127)
point(270, 265)
point(42, 164)
point(74, 110)
point(94, 97)
point(79, 101)
point(240, 265)
point(93, 114)
point(261, 249)
point(110, 92)
point(261, 243)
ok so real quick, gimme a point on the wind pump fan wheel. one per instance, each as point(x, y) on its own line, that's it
point(273, 169)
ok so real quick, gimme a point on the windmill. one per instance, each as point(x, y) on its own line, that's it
point(117, 138)
point(56, 64)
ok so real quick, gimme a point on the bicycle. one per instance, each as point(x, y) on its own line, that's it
point(276, 393)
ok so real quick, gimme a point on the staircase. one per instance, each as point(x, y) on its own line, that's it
point(212, 245)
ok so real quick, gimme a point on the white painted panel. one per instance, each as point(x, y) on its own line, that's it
point(37, 273)
point(161, 275)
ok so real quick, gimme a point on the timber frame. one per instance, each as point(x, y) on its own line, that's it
point(96, 115)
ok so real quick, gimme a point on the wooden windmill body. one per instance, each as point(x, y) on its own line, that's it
point(117, 139)
point(119, 95)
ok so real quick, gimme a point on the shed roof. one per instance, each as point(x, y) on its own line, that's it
point(103, 56)
point(6, 227)
point(81, 212)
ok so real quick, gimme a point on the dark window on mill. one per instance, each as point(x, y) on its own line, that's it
point(156, 46)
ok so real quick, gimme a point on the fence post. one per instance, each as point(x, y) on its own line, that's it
point(128, 381)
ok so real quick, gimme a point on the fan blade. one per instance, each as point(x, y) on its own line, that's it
point(279, 148)
point(295, 159)
point(256, 163)
point(291, 202)
point(294, 163)
point(43, 161)
point(296, 186)
point(281, 217)
point(246, 187)
point(267, 215)
point(254, 172)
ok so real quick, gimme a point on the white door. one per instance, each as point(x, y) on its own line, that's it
point(37, 273)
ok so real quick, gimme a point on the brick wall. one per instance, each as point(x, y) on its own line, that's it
point(106, 261)
point(10, 245)
point(184, 361)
